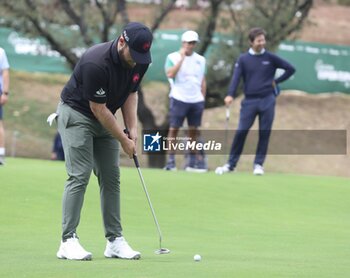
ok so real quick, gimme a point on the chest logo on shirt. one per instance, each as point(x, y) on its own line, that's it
point(100, 93)
point(265, 63)
point(135, 78)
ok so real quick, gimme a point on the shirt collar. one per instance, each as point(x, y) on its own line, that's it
point(252, 52)
point(114, 51)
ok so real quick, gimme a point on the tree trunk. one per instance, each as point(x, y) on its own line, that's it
point(155, 160)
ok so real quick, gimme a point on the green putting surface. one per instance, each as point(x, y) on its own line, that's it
point(276, 225)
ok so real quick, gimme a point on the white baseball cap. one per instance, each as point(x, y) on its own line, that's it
point(190, 36)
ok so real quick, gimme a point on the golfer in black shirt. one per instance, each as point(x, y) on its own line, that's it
point(105, 79)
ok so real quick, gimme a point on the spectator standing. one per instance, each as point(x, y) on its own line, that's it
point(4, 94)
point(257, 68)
point(186, 70)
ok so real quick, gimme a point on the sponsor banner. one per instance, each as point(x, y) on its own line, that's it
point(282, 142)
point(319, 67)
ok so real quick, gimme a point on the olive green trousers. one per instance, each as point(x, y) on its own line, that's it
point(88, 147)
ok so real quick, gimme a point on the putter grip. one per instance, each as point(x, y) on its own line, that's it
point(136, 161)
point(137, 164)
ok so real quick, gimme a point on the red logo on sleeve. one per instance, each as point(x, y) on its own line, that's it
point(135, 78)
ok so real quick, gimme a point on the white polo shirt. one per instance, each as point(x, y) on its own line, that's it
point(186, 86)
point(4, 64)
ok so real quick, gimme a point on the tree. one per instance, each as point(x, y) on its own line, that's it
point(84, 23)
point(281, 20)
point(95, 21)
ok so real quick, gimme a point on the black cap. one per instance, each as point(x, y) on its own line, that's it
point(139, 39)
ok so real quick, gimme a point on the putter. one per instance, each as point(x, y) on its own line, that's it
point(137, 164)
point(160, 250)
point(226, 130)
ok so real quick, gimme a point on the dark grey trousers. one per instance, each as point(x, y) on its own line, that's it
point(89, 146)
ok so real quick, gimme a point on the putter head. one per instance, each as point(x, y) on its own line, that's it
point(162, 251)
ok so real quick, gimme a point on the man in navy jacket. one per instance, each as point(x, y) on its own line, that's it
point(257, 67)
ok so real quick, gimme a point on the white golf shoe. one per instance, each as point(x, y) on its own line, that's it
point(223, 169)
point(119, 248)
point(258, 170)
point(72, 250)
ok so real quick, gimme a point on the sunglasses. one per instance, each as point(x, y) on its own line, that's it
point(193, 42)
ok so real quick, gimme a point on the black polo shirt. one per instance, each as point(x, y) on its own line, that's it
point(100, 77)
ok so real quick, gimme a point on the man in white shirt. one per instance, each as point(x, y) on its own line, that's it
point(4, 92)
point(186, 70)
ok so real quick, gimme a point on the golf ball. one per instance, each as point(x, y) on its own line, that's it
point(197, 258)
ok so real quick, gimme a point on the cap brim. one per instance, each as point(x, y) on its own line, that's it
point(192, 41)
point(141, 58)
